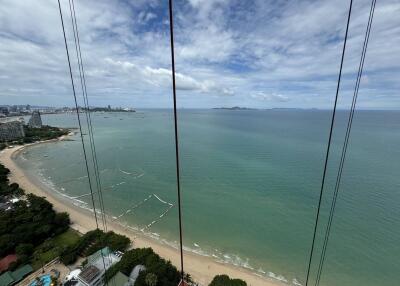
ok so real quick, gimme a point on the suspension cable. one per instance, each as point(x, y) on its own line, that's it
point(328, 146)
point(345, 143)
point(87, 110)
point(171, 27)
point(77, 112)
point(89, 123)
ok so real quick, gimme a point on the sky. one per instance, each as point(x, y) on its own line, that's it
point(260, 53)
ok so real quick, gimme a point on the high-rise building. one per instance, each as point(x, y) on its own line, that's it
point(11, 130)
point(4, 110)
point(35, 121)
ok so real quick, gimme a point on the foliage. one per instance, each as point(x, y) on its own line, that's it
point(24, 249)
point(151, 279)
point(53, 247)
point(36, 134)
point(4, 174)
point(93, 241)
point(6, 188)
point(30, 221)
point(62, 219)
point(224, 280)
point(43, 133)
point(165, 272)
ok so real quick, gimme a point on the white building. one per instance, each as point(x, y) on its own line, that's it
point(98, 263)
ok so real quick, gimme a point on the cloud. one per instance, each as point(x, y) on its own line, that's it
point(265, 54)
point(145, 17)
point(161, 77)
point(273, 97)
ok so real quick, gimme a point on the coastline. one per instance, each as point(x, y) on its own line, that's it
point(201, 268)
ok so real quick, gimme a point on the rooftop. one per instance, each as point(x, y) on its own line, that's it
point(6, 261)
point(89, 274)
point(103, 257)
point(120, 279)
point(10, 278)
point(6, 279)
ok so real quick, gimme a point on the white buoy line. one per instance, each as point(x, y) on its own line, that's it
point(131, 210)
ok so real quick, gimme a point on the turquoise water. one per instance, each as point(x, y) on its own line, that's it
point(46, 280)
point(250, 185)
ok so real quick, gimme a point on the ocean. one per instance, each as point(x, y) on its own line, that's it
point(250, 183)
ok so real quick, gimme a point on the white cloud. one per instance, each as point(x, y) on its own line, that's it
point(274, 97)
point(162, 77)
point(288, 50)
point(145, 17)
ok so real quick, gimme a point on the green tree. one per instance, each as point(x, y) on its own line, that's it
point(24, 249)
point(151, 279)
point(188, 278)
point(61, 221)
point(225, 280)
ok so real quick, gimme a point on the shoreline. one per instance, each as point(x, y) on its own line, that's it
point(201, 268)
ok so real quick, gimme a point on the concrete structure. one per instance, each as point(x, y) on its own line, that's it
point(73, 275)
point(90, 276)
point(4, 110)
point(35, 121)
point(135, 273)
point(98, 263)
point(11, 130)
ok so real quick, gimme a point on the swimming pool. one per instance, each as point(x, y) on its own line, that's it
point(46, 280)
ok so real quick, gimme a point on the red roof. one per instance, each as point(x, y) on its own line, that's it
point(6, 261)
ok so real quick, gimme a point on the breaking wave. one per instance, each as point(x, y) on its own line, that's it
point(216, 255)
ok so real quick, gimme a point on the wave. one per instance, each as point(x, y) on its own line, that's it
point(125, 172)
point(216, 255)
point(277, 277)
point(135, 175)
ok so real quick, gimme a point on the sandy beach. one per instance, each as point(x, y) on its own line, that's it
point(201, 268)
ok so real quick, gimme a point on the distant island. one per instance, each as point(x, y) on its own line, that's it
point(235, 108)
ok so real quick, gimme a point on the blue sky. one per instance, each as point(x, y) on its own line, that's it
point(257, 53)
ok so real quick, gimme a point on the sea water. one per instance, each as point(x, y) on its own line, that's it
point(250, 182)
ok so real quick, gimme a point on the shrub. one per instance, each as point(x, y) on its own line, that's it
point(225, 280)
point(166, 273)
point(24, 249)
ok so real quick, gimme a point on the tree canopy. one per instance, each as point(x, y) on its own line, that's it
point(225, 280)
point(163, 273)
point(29, 222)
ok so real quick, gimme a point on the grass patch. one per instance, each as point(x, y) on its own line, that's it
point(67, 238)
point(53, 247)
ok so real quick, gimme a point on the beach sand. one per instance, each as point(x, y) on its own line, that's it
point(201, 268)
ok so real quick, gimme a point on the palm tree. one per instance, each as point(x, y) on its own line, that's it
point(151, 279)
point(188, 278)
